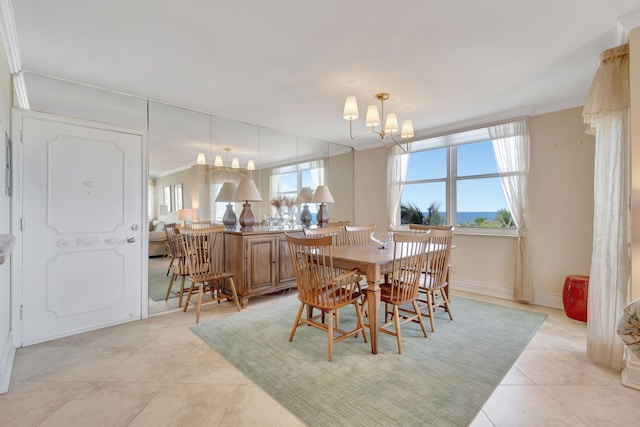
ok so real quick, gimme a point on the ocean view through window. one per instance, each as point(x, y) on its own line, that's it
point(454, 183)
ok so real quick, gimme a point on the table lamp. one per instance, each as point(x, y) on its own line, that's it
point(247, 192)
point(304, 196)
point(322, 196)
point(185, 215)
point(226, 195)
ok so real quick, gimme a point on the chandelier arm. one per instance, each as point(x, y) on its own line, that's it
point(359, 136)
point(399, 144)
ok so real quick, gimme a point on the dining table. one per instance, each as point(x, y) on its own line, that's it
point(372, 261)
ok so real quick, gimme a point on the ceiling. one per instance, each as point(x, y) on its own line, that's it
point(288, 65)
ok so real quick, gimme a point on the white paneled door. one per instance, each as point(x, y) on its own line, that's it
point(82, 204)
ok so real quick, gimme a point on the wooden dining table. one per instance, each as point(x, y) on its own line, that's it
point(373, 262)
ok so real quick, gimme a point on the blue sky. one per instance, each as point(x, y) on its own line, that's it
point(475, 195)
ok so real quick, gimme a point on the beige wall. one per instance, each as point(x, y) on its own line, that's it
point(560, 208)
point(194, 197)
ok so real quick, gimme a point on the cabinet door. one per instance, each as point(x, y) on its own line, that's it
point(261, 267)
point(285, 267)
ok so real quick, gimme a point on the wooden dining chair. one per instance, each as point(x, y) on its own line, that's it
point(435, 278)
point(178, 266)
point(359, 234)
point(170, 230)
point(204, 255)
point(333, 230)
point(320, 287)
point(342, 234)
point(403, 282)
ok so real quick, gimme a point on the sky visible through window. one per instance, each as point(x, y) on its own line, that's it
point(473, 195)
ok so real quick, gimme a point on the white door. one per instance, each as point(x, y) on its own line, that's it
point(82, 204)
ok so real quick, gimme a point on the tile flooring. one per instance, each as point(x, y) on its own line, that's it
point(155, 372)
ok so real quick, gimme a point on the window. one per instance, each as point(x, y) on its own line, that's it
point(456, 184)
point(286, 181)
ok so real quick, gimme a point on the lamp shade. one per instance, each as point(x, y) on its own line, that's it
point(185, 214)
point(218, 161)
point(201, 160)
point(305, 195)
point(373, 118)
point(226, 192)
point(391, 124)
point(350, 108)
point(247, 191)
point(407, 129)
point(322, 195)
point(251, 166)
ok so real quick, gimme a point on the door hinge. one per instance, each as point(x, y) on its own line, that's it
point(22, 224)
point(21, 311)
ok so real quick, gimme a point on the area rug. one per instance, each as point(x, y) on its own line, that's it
point(442, 380)
point(158, 279)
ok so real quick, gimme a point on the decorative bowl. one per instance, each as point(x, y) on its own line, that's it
point(383, 238)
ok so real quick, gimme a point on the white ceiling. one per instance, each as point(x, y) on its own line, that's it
point(288, 65)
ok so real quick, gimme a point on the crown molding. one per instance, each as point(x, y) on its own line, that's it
point(12, 52)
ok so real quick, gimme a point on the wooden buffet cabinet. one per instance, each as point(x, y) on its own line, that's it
point(260, 260)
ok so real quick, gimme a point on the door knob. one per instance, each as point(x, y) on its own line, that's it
point(131, 239)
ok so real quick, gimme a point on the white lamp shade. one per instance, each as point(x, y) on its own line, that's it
point(322, 195)
point(373, 118)
point(407, 129)
point(392, 123)
point(226, 192)
point(305, 195)
point(235, 164)
point(350, 108)
point(218, 161)
point(247, 191)
point(201, 159)
point(185, 214)
point(251, 166)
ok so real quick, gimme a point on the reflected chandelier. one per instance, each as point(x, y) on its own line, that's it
point(234, 166)
point(373, 119)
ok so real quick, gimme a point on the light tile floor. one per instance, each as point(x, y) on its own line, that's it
point(155, 372)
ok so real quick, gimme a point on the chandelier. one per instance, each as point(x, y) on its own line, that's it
point(373, 119)
point(218, 164)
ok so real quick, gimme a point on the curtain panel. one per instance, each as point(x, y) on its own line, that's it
point(397, 163)
point(511, 148)
point(606, 112)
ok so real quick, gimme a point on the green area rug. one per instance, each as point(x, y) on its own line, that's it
point(443, 380)
point(158, 279)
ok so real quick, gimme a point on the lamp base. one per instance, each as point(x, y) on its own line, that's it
point(305, 216)
point(246, 217)
point(323, 216)
point(229, 218)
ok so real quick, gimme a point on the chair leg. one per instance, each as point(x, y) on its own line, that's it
point(446, 303)
point(417, 310)
point(330, 334)
point(430, 298)
point(170, 264)
point(396, 320)
point(234, 293)
point(297, 322)
point(181, 291)
point(173, 277)
point(360, 321)
point(186, 303)
point(199, 303)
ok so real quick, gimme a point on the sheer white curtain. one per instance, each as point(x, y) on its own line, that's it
point(397, 164)
point(606, 111)
point(511, 148)
point(317, 170)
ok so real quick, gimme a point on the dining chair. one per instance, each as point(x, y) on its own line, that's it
point(179, 269)
point(198, 225)
point(435, 278)
point(333, 230)
point(320, 287)
point(204, 255)
point(359, 234)
point(170, 230)
point(401, 287)
point(342, 235)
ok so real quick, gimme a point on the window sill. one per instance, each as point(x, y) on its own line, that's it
point(491, 232)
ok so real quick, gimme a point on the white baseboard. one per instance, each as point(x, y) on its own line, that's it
point(505, 292)
point(6, 364)
point(631, 370)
